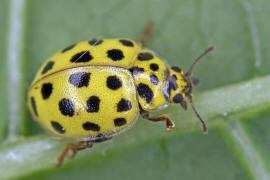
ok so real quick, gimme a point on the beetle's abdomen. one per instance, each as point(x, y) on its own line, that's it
point(150, 75)
point(85, 102)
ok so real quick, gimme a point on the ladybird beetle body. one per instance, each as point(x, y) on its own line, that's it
point(94, 90)
point(79, 96)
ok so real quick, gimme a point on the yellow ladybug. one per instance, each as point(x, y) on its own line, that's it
point(94, 90)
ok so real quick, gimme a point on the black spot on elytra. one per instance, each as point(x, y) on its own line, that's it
point(136, 70)
point(177, 98)
point(83, 56)
point(154, 67)
point(88, 126)
point(115, 54)
point(93, 104)
point(154, 79)
point(126, 42)
point(145, 92)
point(176, 69)
point(57, 127)
point(34, 106)
point(47, 67)
point(66, 107)
point(120, 121)
point(124, 105)
point(145, 56)
point(95, 42)
point(46, 90)
point(79, 79)
point(113, 82)
point(68, 48)
point(173, 83)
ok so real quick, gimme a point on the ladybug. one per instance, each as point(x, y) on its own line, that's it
point(94, 90)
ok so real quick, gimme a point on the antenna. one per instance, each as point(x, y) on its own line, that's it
point(189, 72)
point(192, 82)
point(197, 114)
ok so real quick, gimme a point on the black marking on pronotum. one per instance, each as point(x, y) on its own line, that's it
point(154, 79)
point(145, 56)
point(145, 92)
point(154, 67)
point(173, 83)
point(136, 70)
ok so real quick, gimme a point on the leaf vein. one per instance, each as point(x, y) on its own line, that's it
point(14, 50)
point(254, 161)
point(254, 35)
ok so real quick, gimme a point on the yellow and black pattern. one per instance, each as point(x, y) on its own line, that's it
point(177, 84)
point(93, 89)
point(150, 75)
point(108, 52)
point(85, 102)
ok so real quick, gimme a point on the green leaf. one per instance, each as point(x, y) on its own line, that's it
point(3, 71)
point(233, 96)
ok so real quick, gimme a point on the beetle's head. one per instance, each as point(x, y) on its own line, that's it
point(181, 84)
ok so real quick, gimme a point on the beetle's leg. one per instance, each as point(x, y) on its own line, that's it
point(183, 103)
point(80, 146)
point(147, 33)
point(163, 117)
point(71, 150)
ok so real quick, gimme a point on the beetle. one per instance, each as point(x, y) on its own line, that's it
point(94, 90)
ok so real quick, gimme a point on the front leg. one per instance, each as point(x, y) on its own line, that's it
point(163, 117)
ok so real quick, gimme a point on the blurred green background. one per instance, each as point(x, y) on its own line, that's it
point(233, 97)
